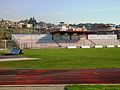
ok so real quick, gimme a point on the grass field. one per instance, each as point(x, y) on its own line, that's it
point(68, 59)
point(93, 87)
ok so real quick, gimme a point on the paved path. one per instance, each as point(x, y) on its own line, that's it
point(40, 87)
point(37, 77)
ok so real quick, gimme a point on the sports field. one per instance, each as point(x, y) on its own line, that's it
point(68, 59)
point(93, 87)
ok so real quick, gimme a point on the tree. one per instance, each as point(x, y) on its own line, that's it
point(32, 21)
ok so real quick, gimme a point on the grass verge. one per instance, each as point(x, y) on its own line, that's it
point(92, 87)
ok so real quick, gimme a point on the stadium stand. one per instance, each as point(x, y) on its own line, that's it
point(78, 43)
point(36, 41)
point(85, 42)
point(105, 42)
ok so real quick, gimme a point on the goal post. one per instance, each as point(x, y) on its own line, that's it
point(6, 44)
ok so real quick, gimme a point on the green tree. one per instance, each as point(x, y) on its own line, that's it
point(33, 22)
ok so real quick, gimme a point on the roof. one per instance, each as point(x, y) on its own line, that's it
point(74, 32)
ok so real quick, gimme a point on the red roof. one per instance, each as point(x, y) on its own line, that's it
point(73, 32)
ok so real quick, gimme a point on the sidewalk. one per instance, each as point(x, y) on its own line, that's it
point(33, 87)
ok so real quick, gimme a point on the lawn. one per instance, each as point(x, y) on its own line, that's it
point(2, 52)
point(93, 87)
point(68, 59)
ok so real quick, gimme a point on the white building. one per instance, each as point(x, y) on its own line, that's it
point(29, 25)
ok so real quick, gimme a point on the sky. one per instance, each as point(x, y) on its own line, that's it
point(55, 11)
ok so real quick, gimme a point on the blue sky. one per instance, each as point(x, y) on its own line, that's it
point(70, 11)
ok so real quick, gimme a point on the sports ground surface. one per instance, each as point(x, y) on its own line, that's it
point(63, 66)
point(68, 59)
point(82, 76)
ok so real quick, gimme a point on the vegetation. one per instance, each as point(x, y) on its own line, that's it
point(6, 33)
point(68, 59)
point(92, 87)
point(2, 52)
point(32, 21)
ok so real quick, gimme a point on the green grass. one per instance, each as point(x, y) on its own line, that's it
point(2, 52)
point(93, 87)
point(68, 59)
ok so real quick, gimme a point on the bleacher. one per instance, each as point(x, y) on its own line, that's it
point(106, 42)
point(34, 41)
point(65, 43)
point(78, 43)
point(85, 42)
